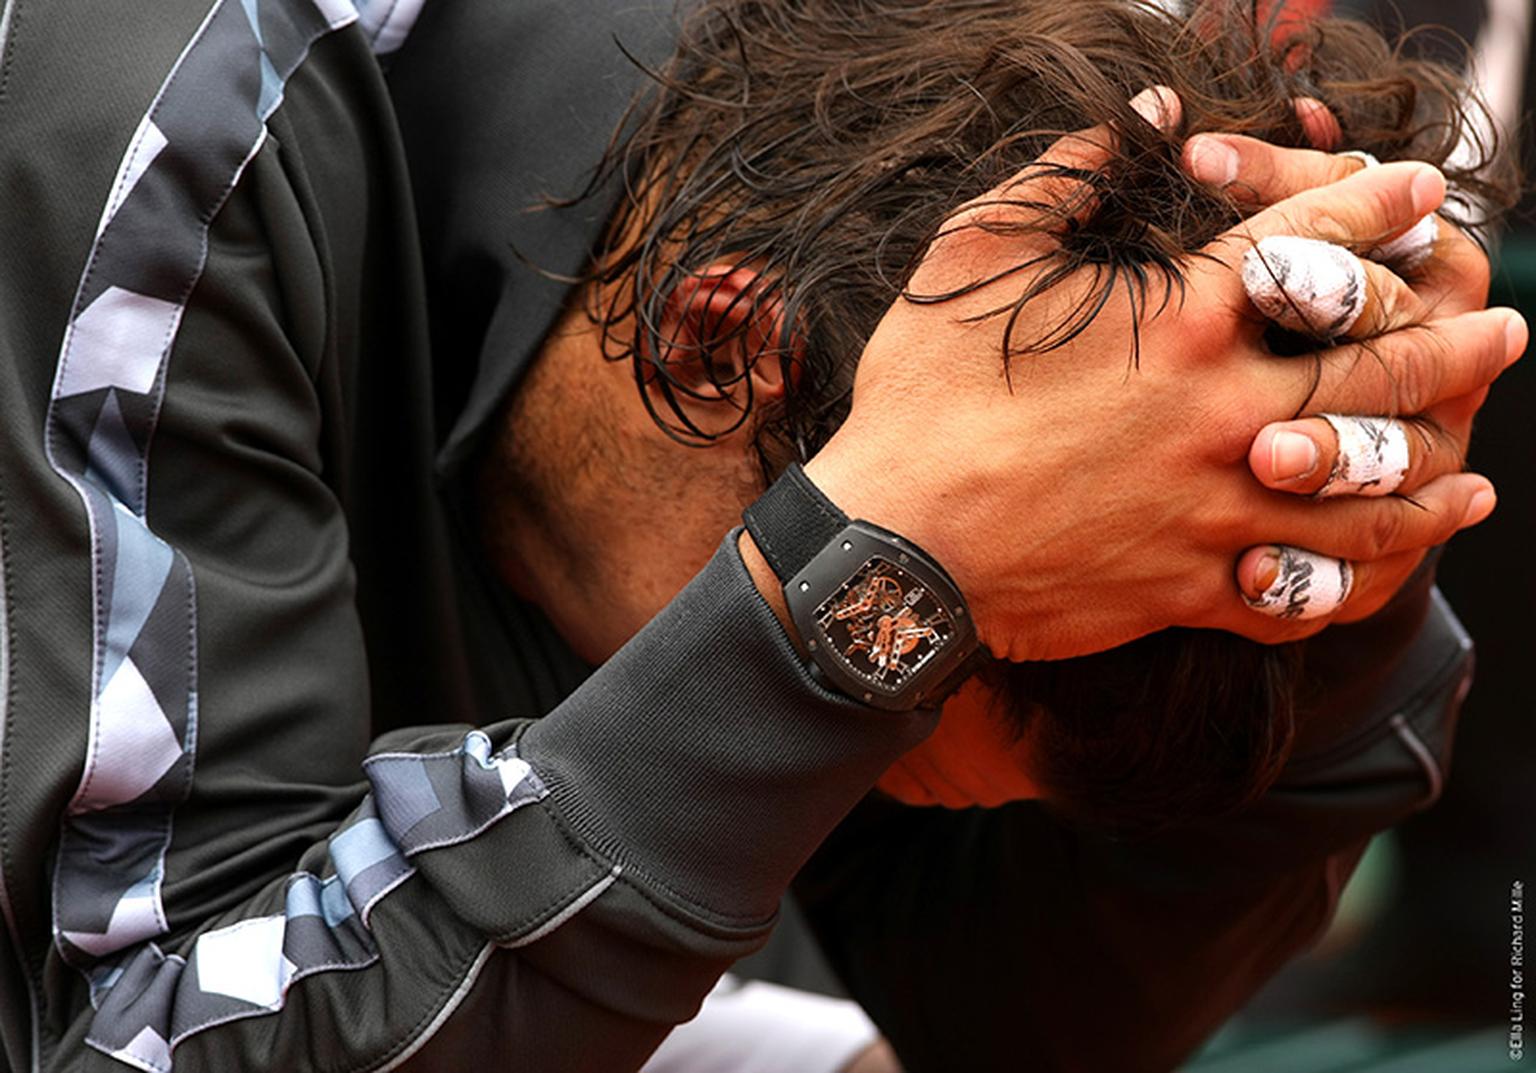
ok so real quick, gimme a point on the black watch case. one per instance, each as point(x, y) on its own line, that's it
point(882, 621)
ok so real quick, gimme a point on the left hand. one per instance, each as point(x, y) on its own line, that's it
point(1453, 280)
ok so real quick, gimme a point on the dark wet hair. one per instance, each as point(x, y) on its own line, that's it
point(824, 142)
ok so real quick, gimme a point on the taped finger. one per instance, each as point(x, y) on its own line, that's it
point(1292, 583)
point(1305, 285)
point(1372, 458)
point(1282, 277)
point(1336, 454)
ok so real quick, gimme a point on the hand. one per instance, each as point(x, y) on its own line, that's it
point(1047, 504)
point(876, 1058)
point(1298, 456)
point(975, 757)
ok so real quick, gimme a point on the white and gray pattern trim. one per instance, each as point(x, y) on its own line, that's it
point(148, 1002)
point(148, 254)
point(387, 23)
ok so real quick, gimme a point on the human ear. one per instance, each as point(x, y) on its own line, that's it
point(722, 347)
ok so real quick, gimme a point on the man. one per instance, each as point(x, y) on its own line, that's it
point(215, 274)
point(585, 503)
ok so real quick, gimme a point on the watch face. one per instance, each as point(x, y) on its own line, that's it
point(884, 624)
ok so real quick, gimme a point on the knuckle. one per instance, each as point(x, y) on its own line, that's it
point(1418, 378)
point(1474, 270)
point(1327, 224)
point(1445, 520)
point(1495, 352)
point(1342, 167)
point(1385, 532)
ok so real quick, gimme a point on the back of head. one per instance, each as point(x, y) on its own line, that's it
point(823, 142)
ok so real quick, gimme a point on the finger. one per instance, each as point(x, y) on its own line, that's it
point(1408, 251)
point(1455, 278)
point(1318, 122)
point(1270, 578)
point(1325, 291)
point(1376, 583)
point(1456, 414)
point(1335, 455)
point(1365, 530)
point(1364, 210)
point(1293, 583)
point(1446, 267)
point(1256, 174)
point(1413, 369)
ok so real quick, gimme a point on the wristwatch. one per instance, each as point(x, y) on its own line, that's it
point(878, 617)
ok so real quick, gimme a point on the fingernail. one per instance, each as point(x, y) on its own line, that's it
point(1516, 335)
point(1212, 162)
point(1292, 455)
point(1159, 106)
point(1428, 190)
point(1266, 570)
point(1480, 507)
point(1318, 122)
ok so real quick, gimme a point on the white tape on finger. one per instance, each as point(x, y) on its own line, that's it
point(1306, 285)
point(1410, 249)
point(1308, 585)
point(1372, 458)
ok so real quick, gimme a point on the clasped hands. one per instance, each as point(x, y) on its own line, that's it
point(1083, 503)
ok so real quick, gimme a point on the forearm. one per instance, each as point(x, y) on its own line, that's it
point(608, 862)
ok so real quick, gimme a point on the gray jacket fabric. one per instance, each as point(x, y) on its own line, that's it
point(272, 790)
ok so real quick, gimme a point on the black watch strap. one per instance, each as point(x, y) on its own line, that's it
point(792, 521)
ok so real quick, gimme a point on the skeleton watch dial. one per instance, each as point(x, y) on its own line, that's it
point(883, 624)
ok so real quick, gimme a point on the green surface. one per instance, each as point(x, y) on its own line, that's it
point(1355, 1045)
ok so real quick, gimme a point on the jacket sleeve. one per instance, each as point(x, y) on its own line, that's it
point(969, 936)
point(565, 890)
point(210, 292)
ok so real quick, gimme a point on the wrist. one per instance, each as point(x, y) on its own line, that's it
point(768, 584)
point(892, 500)
point(841, 475)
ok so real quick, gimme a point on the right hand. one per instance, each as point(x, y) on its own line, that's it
point(1096, 502)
